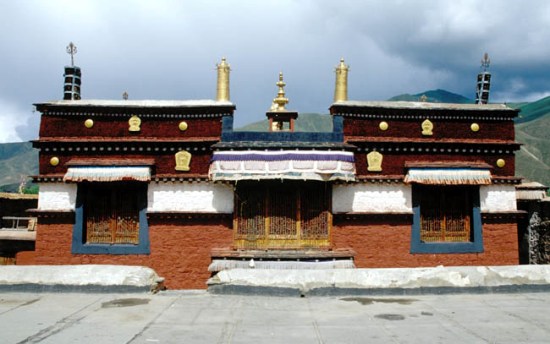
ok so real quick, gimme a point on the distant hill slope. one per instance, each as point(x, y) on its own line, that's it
point(17, 161)
point(533, 160)
point(309, 122)
point(531, 111)
point(434, 96)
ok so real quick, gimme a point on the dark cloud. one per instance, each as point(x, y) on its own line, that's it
point(168, 50)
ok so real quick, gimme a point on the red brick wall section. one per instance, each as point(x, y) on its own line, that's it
point(25, 258)
point(179, 253)
point(450, 129)
point(388, 246)
point(165, 163)
point(117, 127)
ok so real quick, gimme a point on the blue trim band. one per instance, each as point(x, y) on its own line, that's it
point(229, 135)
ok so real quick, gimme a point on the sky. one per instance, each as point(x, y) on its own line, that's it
point(168, 49)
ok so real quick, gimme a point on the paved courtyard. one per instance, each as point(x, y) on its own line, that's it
point(199, 317)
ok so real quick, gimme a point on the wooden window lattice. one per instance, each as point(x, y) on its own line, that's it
point(282, 215)
point(112, 214)
point(445, 214)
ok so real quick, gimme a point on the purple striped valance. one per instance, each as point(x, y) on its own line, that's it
point(284, 155)
point(300, 165)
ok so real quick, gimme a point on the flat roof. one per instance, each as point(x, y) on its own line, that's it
point(138, 103)
point(423, 105)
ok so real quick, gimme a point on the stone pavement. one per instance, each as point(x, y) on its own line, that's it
point(200, 317)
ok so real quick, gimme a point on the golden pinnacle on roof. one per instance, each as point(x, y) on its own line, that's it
point(341, 88)
point(280, 102)
point(222, 89)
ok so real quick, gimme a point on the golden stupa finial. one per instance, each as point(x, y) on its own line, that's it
point(341, 88)
point(280, 102)
point(222, 89)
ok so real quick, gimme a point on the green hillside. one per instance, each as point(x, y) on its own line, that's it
point(17, 161)
point(434, 96)
point(533, 160)
point(531, 111)
point(306, 122)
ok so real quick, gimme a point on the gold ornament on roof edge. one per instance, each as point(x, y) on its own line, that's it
point(89, 123)
point(374, 161)
point(501, 163)
point(183, 160)
point(383, 125)
point(134, 122)
point(280, 101)
point(183, 126)
point(54, 161)
point(427, 128)
point(474, 127)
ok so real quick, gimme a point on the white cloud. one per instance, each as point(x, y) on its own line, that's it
point(12, 117)
point(168, 49)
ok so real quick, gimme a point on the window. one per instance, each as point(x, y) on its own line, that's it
point(446, 219)
point(282, 215)
point(111, 218)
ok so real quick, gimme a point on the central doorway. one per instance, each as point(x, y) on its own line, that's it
point(282, 215)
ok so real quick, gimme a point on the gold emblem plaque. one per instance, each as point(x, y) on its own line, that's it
point(135, 124)
point(183, 160)
point(374, 161)
point(427, 128)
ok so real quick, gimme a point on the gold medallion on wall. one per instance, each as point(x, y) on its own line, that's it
point(427, 128)
point(374, 161)
point(183, 160)
point(134, 124)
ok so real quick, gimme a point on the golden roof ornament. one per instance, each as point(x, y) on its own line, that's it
point(341, 88)
point(222, 89)
point(280, 102)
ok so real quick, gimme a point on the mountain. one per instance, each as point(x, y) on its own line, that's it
point(434, 96)
point(17, 161)
point(533, 160)
point(311, 122)
point(533, 110)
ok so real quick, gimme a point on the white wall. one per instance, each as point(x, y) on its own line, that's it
point(57, 197)
point(497, 198)
point(371, 198)
point(203, 197)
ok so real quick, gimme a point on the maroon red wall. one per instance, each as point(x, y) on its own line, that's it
point(179, 252)
point(387, 245)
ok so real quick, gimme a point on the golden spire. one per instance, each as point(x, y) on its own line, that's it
point(222, 89)
point(280, 102)
point(341, 88)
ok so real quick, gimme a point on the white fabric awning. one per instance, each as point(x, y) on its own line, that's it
point(299, 165)
point(448, 176)
point(107, 174)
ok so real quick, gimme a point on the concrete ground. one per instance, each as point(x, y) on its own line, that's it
point(200, 317)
